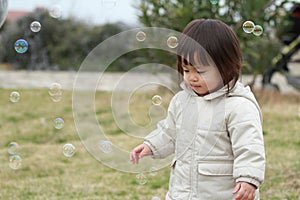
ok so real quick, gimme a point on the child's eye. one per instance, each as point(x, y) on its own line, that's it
point(200, 72)
point(185, 70)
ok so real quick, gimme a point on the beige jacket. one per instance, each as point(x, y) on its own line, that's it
point(217, 141)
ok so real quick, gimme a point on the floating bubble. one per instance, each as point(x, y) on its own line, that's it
point(172, 42)
point(109, 3)
point(55, 89)
point(140, 36)
point(69, 150)
point(248, 26)
point(214, 2)
point(153, 171)
point(13, 148)
point(15, 162)
point(155, 198)
point(14, 96)
point(55, 11)
point(58, 123)
point(3, 11)
point(258, 30)
point(141, 178)
point(156, 100)
point(105, 146)
point(21, 46)
point(35, 26)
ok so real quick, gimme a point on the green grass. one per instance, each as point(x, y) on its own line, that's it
point(47, 174)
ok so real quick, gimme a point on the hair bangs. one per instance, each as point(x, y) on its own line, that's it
point(192, 53)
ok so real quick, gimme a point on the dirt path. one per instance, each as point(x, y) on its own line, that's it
point(43, 79)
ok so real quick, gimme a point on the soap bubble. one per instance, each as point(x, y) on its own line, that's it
point(248, 26)
point(55, 11)
point(55, 90)
point(105, 146)
point(156, 100)
point(172, 42)
point(21, 46)
point(214, 2)
point(141, 178)
point(35, 26)
point(14, 96)
point(58, 123)
point(69, 150)
point(13, 148)
point(15, 162)
point(3, 11)
point(258, 30)
point(140, 36)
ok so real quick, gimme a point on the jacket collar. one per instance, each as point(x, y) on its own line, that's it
point(221, 92)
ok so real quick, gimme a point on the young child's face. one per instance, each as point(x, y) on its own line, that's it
point(202, 79)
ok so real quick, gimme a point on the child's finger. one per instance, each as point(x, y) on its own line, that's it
point(133, 157)
point(237, 188)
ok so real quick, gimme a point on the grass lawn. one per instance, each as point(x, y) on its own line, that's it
point(47, 174)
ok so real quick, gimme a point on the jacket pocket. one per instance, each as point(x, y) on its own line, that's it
point(215, 168)
point(215, 180)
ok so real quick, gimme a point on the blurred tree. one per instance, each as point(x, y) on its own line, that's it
point(61, 44)
point(258, 51)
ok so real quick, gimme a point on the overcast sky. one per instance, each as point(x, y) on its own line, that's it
point(93, 11)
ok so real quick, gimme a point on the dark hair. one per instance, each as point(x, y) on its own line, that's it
point(217, 40)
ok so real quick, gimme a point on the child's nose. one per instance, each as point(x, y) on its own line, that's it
point(194, 77)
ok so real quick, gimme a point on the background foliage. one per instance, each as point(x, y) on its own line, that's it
point(62, 44)
point(258, 52)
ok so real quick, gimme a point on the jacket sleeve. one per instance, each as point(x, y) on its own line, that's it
point(245, 131)
point(162, 140)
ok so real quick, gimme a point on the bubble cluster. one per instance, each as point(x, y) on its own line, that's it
point(58, 123)
point(172, 42)
point(156, 100)
point(14, 97)
point(21, 46)
point(13, 148)
point(105, 146)
point(3, 11)
point(141, 178)
point(35, 26)
point(68, 150)
point(140, 36)
point(15, 162)
point(55, 92)
point(55, 11)
point(250, 27)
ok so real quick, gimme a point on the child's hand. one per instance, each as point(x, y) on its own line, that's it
point(139, 152)
point(246, 191)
